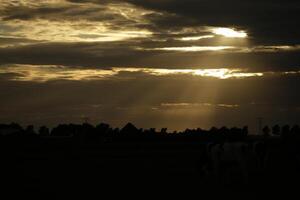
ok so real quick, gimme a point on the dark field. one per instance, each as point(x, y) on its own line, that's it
point(129, 165)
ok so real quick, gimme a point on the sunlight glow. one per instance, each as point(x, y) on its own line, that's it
point(52, 73)
point(85, 28)
point(61, 31)
point(225, 73)
point(191, 105)
point(194, 38)
point(275, 48)
point(195, 48)
point(222, 73)
point(230, 33)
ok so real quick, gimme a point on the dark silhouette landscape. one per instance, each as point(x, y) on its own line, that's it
point(229, 67)
point(82, 159)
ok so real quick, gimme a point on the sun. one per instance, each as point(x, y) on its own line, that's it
point(230, 33)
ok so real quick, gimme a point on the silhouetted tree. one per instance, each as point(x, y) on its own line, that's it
point(10, 129)
point(65, 130)
point(44, 131)
point(30, 130)
point(276, 130)
point(163, 130)
point(266, 130)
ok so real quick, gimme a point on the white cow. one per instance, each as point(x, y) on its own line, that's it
point(229, 161)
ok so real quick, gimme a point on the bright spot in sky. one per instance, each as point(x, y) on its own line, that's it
point(224, 73)
point(194, 38)
point(221, 73)
point(231, 33)
point(195, 48)
point(51, 73)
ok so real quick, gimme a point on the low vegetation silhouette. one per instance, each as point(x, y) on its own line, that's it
point(78, 157)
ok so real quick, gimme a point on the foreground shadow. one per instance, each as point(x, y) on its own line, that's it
point(75, 160)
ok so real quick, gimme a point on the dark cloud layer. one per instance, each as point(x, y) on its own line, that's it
point(107, 55)
point(268, 20)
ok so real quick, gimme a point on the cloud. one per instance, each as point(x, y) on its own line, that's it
point(58, 21)
point(265, 20)
point(61, 56)
point(145, 54)
point(53, 73)
point(150, 100)
point(197, 105)
point(148, 33)
point(14, 41)
point(194, 48)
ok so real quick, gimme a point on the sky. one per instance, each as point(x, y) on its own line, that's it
point(168, 63)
